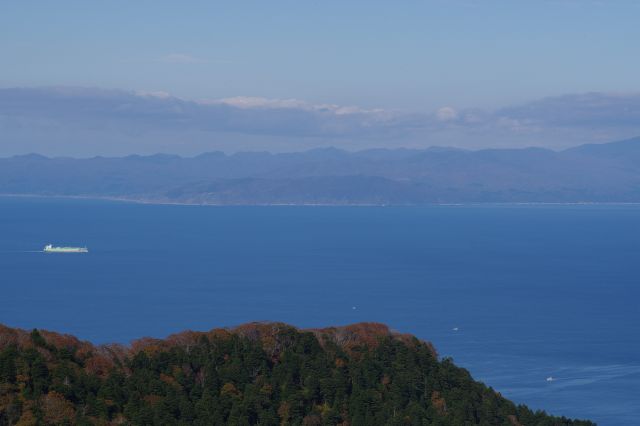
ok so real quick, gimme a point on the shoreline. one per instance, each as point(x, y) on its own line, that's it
point(451, 204)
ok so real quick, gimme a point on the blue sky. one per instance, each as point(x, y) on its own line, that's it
point(409, 56)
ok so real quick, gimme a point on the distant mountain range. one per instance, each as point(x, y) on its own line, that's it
point(588, 173)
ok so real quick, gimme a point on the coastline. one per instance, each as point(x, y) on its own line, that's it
point(151, 201)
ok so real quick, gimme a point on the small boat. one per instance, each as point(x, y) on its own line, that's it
point(550, 379)
point(49, 248)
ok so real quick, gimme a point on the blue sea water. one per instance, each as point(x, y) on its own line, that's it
point(534, 291)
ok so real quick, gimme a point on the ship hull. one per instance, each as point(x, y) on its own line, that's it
point(66, 250)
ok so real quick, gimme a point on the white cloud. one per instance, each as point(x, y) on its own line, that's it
point(446, 114)
point(250, 102)
point(258, 102)
point(155, 115)
point(153, 94)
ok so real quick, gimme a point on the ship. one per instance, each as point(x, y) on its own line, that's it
point(49, 248)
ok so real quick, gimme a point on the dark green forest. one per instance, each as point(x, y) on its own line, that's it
point(257, 374)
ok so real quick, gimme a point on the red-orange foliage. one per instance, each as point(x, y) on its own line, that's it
point(514, 420)
point(99, 365)
point(8, 336)
point(362, 334)
point(439, 403)
point(153, 399)
point(184, 339)
point(57, 409)
point(101, 359)
point(27, 419)
point(170, 381)
point(148, 345)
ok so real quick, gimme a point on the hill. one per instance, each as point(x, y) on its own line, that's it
point(260, 373)
point(590, 173)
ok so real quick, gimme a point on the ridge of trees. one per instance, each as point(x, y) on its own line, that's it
point(254, 374)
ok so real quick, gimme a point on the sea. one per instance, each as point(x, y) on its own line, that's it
point(540, 302)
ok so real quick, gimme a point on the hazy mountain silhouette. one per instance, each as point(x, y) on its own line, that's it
point(588, 173)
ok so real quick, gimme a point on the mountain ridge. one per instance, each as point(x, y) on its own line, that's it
point(588, 173)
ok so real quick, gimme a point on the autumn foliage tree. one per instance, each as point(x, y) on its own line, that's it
point(256, 374)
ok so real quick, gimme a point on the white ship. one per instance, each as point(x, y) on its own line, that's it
point(49, 248)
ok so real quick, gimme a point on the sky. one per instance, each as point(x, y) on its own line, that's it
point(439, 59)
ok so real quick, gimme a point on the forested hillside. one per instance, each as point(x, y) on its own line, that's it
point(266, 374)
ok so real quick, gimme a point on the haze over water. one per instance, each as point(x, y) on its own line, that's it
point(534, 291)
